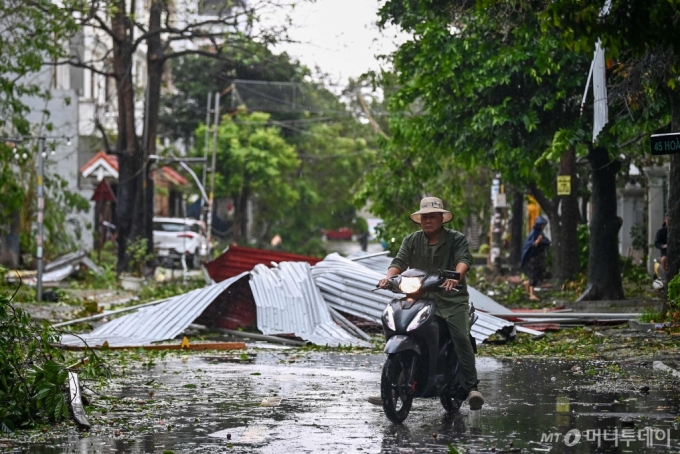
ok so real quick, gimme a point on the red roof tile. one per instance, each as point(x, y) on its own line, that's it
point(174, 176)
point(110, 159)
point(238, 259)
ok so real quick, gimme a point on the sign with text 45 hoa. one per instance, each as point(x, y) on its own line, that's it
point(665, 143)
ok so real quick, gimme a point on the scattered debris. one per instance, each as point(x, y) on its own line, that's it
point(56, 270)
point(255, 336)
point(291, 299)
point(153, 323)
point(75, 401)
point(571, 317)
point(194, 347)
point(658, 365)
point(108, 313)
point(288, 302)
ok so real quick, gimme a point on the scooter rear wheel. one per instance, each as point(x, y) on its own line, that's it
point(395, 390)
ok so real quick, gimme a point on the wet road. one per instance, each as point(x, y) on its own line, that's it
point(283, 401)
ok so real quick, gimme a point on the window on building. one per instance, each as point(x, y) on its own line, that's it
point(218, 7)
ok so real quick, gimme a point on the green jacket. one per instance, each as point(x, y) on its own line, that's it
point(451, 250)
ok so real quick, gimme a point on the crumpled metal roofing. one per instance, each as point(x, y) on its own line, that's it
point(237, 259)
point(154, 323)
point(74, 258)
point(58, 269)
point(288, 302)
point(346, 286)
point(380, 262)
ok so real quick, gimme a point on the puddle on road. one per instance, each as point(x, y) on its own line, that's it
point(285, 401)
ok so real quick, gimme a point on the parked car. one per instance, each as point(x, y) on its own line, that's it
point(341, 234)
point(175, 237)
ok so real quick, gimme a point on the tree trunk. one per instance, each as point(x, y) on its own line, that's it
point(155, 63)
point(568, 219)
point(240, 221)
point(243, 203)
point(604, 269)
point(130, 161)
point(674, 195)
point(516, 230)
point(584, 209)
point(10, 251)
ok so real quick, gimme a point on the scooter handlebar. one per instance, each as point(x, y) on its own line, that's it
point(449, 274)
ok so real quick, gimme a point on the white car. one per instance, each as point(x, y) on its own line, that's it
point(175, 237)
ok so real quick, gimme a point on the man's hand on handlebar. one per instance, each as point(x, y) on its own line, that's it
point(382, 283)
point(449, 284)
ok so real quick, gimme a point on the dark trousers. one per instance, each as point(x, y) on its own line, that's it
point(460, 333)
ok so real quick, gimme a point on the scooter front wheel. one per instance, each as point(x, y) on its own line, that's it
point(451, 402)
point(395, 389)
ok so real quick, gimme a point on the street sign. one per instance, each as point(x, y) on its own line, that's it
point(563, 184)
point(500, 201)
point(665, 143)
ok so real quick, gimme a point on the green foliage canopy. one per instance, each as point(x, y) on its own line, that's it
point(253, 160)
point(33, 32)
point(478, 89)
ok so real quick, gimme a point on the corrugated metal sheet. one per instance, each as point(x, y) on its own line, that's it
point(380, 263)
point(600, 108)
point(235, 308)
point(288, 302)
point(347, 286)
point(487, 325)
point(238, 259)
point(60, 268)
point(154, 323)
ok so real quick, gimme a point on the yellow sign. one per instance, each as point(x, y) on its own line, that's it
point(564, 185)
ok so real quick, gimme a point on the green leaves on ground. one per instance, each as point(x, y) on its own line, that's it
point(32, 372)
point(32, 375)
point(49, 383)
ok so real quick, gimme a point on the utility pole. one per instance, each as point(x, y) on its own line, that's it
point(212, 168)
point(204, 180)
point(41, 209)
point(499, 204)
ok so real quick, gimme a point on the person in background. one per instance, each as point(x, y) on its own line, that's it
point(363, 241)
point(533, 257)
point(661, 243)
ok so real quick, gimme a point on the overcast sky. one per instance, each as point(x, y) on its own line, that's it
point(340, 37)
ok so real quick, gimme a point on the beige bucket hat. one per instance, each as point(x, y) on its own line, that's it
point(431, 205)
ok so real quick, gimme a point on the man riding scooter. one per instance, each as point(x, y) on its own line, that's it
point(435, 248)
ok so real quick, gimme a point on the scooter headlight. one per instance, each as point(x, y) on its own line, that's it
point(420, 318)
point(410, 284)
point(388, 316)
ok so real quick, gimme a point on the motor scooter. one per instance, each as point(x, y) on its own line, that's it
point(421, 359)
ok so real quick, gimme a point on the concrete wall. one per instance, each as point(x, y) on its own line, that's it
point(62, 112)
point(631, 208)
